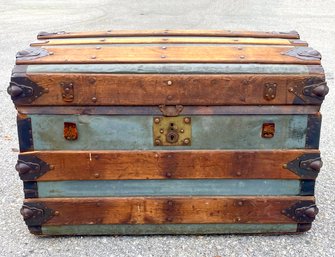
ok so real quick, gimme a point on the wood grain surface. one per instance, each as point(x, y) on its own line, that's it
point(123, 165)
point(160, 210)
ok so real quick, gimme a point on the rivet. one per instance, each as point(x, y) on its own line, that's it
point(164, 47)
point(94, 99)
point(163, 56)
point(168, 174)
point(238, 173)
point(272, 96)
point(182, 131)
point(238, 219)
point(157, 142)
point(242, 57)
point(156, 120)
point(161, 131)
point(170, 203)
point(169, 83)
point(187, 120)
point(156, 155)
point(98, 47)
point(98, 204)
point(102, 40)
point(186, 141)
point(96, 157)
point(169, 156)
point(56, 213)
point(92, 80)
point(46, 90)
point(245, 82)
point(96, 175)
point(170, 97)
point(239, 48)
point(51, 53)
point(51, 167)
point(240, 203)
point(235, 40)
point(169, 219)
point(290, 89)
point(285, 166)
point(93, 57)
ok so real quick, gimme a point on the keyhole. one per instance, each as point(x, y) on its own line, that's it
point(172, 137)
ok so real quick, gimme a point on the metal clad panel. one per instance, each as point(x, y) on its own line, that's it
point(196, 187)
point(171, 68)
point(167, 229)
point(135, 132)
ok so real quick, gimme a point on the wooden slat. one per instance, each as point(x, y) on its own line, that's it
point(160, 210)
point(169, 40)
point(149, 89)
point(215, 33)
point(173, 54)
point(169, 229)
point(123, 165)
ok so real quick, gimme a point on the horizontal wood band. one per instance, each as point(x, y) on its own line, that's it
point(123, 165)
point(172, 54)
point(169, 40)
point(124, 89)
point(175, 210)
point(172, 68)
point(172, 187)
point(101, 132)
point(131, 33)
point(168, 229)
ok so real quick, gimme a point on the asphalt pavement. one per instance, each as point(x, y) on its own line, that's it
point(20, 21)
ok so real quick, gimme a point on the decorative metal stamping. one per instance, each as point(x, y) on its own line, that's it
point(270, 90)
point(36, 214)
point(268, 130)
point(302, 211)
point(67, 91)
point(32, 53)
point(172, 131)
point(306, 166)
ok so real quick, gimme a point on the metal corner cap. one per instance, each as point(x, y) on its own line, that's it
point(304, 53)
point(32, 53)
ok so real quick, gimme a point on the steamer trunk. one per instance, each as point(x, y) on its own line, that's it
point(168, 132)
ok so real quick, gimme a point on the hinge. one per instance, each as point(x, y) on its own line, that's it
point(171, 110)
point(307, 166)
point(302, 211)
point(31, 167)
point(25, 133)
point(24, 91)
point(310, 91)
point(67, 91)
point(32, 53)
point(303, 53)
point(36, 214)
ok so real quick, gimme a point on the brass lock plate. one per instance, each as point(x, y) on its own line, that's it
point(172, 131)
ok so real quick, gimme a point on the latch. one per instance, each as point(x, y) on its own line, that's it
point(67, 91)
point(172, 131)
point(270, 90)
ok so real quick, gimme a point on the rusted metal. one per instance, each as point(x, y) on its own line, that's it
point(268, 130)
point(30, 189)
point(25, 135)
point(270, 90)
point(302, 211)
point(171, 110)
point(304, 53)
point(31, 167)
point(311, 91)
point(32, 53)
point(313, 131)
point(70, 131)
point(67, 91)
point(36, 214)
point(306, 166)
point(23, 90)
point(168, 131)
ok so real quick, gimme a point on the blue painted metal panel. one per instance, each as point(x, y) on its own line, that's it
point(171, 68)
point(167, 229)
point(181, 187)
point(99, 132)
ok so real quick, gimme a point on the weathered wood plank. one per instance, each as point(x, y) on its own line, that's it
point(123, 165)
point(172, 54)
point(166, 229)
point(122, 89)
point(173, 68)
point(160, 210)
point(169, 40)
point(135, 132)
point(166, 32)
point(175, 187)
